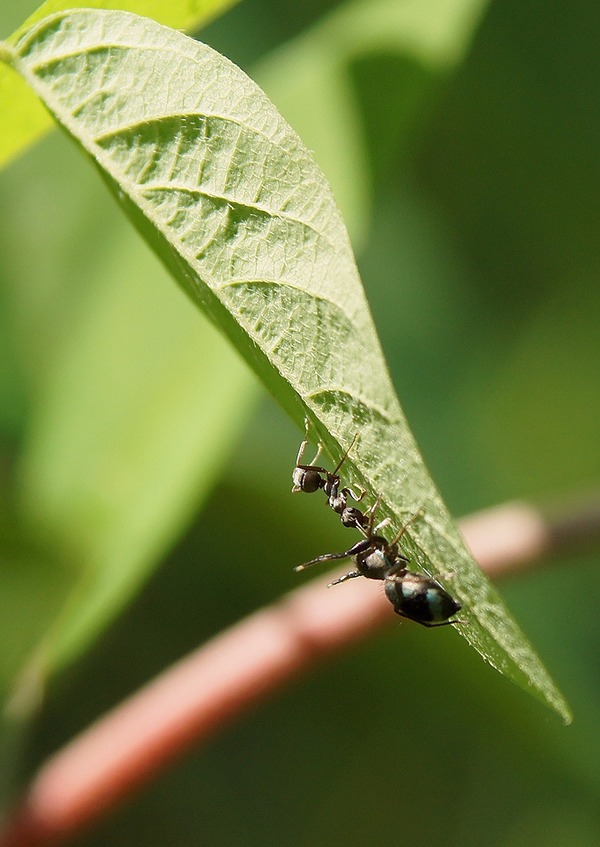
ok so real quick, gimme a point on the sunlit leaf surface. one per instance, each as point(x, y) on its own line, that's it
point(232, 201)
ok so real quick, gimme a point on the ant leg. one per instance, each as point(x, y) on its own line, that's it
point(349, 492)
point(398, 570)
point(349, 575)
point(448, 575)
point(441, 623)
point(303, 445)
point(419, 513)
point(385, 522)
point(359, 547)
point(308, 478)
point(369, 531)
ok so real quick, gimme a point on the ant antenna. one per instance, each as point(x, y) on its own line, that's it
point(345, 456)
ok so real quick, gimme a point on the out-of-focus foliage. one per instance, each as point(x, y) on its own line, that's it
point(480, 259)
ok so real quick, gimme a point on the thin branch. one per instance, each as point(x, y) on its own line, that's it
point(132, 743)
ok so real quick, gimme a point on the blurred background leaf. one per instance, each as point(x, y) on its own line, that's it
point(480, 260)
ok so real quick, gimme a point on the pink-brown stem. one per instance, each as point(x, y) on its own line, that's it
point(129, 745)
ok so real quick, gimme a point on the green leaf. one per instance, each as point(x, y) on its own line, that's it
point(22, 117)
point(233, 203)
point(128, 436)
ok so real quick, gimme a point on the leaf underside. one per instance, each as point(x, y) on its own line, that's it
point(24, 114)
point(225, 192)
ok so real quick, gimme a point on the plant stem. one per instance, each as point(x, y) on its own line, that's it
point(129, 745)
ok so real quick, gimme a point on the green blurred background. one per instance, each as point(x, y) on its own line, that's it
point(466, 163)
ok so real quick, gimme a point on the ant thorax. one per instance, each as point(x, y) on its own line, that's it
point(378, 560)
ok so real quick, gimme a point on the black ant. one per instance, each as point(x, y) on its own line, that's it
point(414, 596)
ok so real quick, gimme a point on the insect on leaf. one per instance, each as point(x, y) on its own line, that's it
point(226, 193)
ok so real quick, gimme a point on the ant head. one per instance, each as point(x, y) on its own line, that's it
point(353, 517)
point(307, 480)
